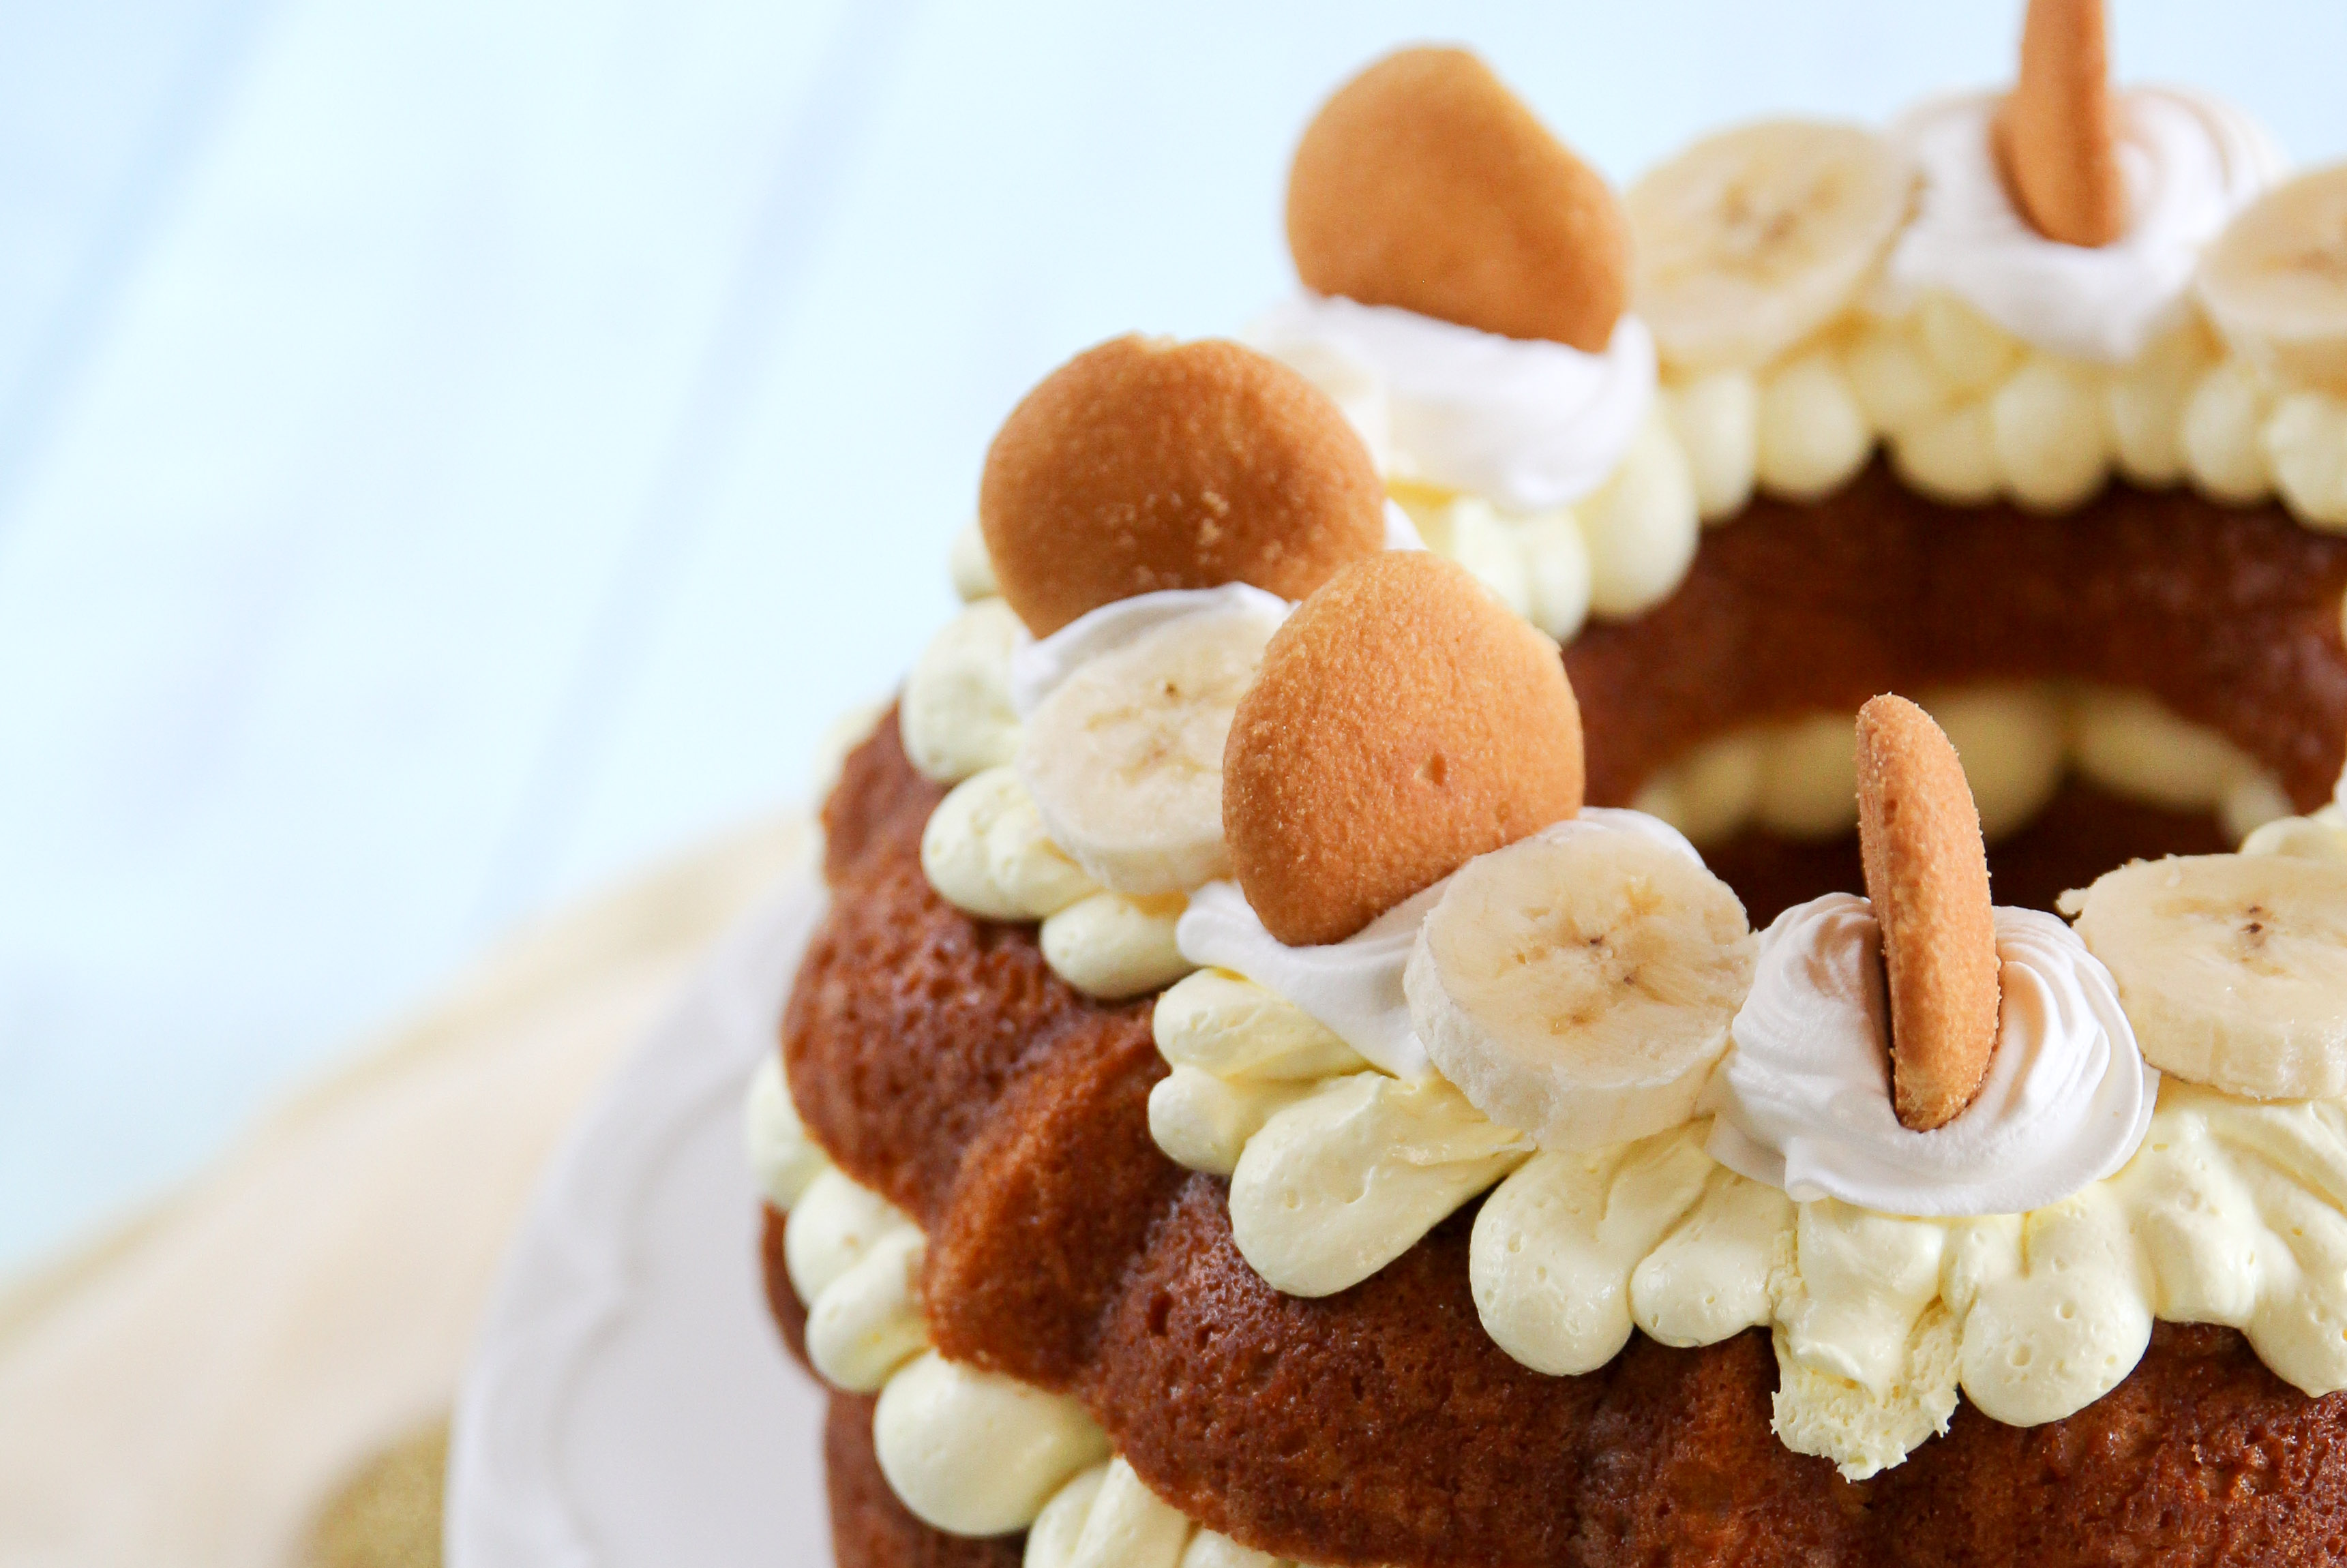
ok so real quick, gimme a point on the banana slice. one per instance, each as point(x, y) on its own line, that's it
point(1751, 240)
point(1124, 758)
point(1579, 984)
point(2231, 968)
point(2322, 836)
point(2275, 282)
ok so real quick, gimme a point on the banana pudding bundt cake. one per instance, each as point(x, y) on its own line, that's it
point(1657, 882)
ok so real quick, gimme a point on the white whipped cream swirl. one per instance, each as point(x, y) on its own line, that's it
point(1039, 665)
point(1803, 1101)
point(2190, 163)
point(1355, 986)
point(1525, 423)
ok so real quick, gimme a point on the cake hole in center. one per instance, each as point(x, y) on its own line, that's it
point(2149, 674)
point(2071, 782)
point(2084, 831)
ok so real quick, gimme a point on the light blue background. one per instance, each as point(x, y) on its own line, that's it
point(451, 452)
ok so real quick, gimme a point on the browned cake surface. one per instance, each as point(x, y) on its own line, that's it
point(940, 1062)
point(869, 1528)
point(2229, 616)
point(790, 1315)
point(2202, 1457)
point(1383, 1425)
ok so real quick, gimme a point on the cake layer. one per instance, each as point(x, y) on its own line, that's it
point(939, 1062)
point(2230, 617)
point(790, 1313)
point(1383, 1427)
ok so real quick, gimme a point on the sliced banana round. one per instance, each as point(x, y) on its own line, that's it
point(1578, 985)
point(2275, 282)
point(1751, 239)
point(1124, 758)
point(2232, 969)
point(2322, 836)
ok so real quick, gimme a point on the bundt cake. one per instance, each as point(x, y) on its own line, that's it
point(1659, 881)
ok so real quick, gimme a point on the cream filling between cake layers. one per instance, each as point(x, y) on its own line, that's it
point(1798, 778)
point(1341, 1159)
point(987, 850)
point(1967, 411)
point(969, 1452)
point(2231, 1212)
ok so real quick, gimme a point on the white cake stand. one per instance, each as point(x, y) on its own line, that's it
point(630, 1404)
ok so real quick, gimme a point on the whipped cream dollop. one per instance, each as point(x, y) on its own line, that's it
point(1525, 423)
point(1355, 986)
point(1803, 1100)
point(1039, 665)
point(2190, 163)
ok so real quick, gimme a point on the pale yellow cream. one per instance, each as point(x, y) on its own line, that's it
point(1108, 1517)
point(2231, 1212)
point(969, 1451)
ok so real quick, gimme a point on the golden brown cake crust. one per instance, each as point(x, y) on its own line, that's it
point(1425, 183)
point(940, 1061)
point(1051, 1204)
point(1404, 723)
point(1142, 465)
point(909, 1019)
point(782, 1300)
point(2229, 616)
point(1383, 1425)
